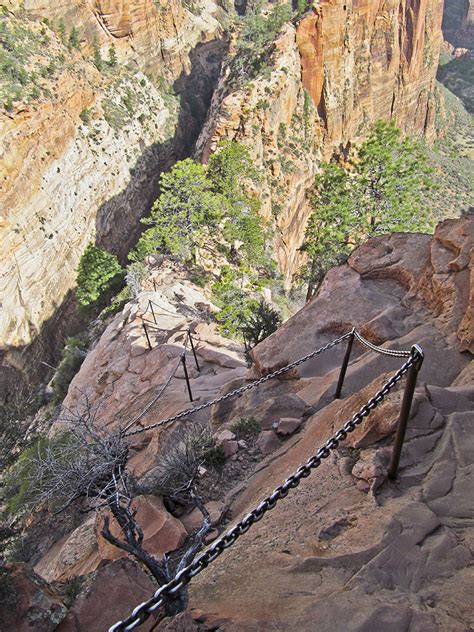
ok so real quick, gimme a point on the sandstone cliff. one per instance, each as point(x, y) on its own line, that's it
point(344, 66)
point(346, 541)
point(81, 161)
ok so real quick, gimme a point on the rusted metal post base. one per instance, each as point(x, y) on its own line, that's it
point(147, 336)
point(193, 350)
point(188, 384)
point(410, 386)
point(345, 363)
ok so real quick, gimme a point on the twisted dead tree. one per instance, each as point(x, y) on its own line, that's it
point(89, 464)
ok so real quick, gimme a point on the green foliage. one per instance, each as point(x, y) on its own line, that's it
point(255, 45)
point(214, 456)
point(74, 41)
point(260, 323)
point(97, 56)
point(201, 208)
point(302, 6)
point(62, 31)
point(85, 116)
point(112, 57)
point(185, 212)
point(15, 417)
point(383, 190)
point(98, 272)
point(18, 490)
point(73, 355)
point(245, 426)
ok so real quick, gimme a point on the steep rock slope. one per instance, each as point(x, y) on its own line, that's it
point(81, 162)
point(387, 552)
point(349, 550)
point(344, 66)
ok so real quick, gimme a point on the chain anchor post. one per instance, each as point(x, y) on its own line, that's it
point(186, 375)
point(345, 363)
point(150, 305)
point(147, 336)
point(410, 385)
point(193, 350)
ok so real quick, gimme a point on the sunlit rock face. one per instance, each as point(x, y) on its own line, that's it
point(82, 163)
point(344, 66)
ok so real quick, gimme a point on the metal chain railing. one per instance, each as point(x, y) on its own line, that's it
point(143, 611)
point(389, 352)
point(242, 389)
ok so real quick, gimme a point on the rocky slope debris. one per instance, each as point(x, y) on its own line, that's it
point(346, 540)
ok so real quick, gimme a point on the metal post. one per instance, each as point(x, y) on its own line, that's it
point(150, 305)
point(183, 360)
point(345, 362)
point(154, 284)
point(410, 385)
point(193, 350)
point(147, 336)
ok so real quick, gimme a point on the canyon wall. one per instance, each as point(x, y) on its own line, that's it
point(458, 23)
point(346, 64)
point(82, 163)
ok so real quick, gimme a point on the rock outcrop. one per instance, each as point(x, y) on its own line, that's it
point(81, 162)
point(345, 65)
point(458, 23)
point(347, 541)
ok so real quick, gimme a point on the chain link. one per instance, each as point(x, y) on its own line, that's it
point(145, 609)
point(242, 389)
point(388, 352)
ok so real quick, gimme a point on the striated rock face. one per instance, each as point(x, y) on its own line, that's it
point(344, 66)
point(67, 181)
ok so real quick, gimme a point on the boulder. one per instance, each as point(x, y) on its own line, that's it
point(267, 442)
point(288, 425)
point(272, 410)
point(109, 597)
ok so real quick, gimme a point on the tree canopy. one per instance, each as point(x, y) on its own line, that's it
point(384, 188)
point(97, 273)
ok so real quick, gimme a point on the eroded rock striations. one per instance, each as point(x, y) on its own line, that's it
point(346, 541)
point(345, 65)
point(83, 164)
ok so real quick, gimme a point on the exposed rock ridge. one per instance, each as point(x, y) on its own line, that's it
point(67, 181)
point(358, 62)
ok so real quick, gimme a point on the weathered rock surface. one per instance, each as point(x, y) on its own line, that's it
point(66, 181)
point(109, 597)
point(332, 556)
point(344, 66)
point(27, 602)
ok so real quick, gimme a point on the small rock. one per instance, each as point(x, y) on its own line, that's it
point(202, 471)
point(288, 425)
point(230, 447)
point(211, 536)
point(267, 442)
point(243, 444)
point(224, 435)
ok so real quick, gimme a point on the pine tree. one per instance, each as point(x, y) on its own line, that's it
point(384, 189)
point(98, 62)
point(112, 56)
point(98, 271)
point(74, 39)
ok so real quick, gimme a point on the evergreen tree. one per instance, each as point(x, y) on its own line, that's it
point(186, 211)
point(74, 39)
point(97, 273)
point(384, 189)
point(62, 31)
point(112, 56)
point(97, 56)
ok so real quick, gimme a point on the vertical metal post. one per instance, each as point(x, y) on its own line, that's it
point(150, 305)
point(183, 360)
point(345, 363)
point(154, 284)
point(410, 385)
point(147, 336)
point(193, 350)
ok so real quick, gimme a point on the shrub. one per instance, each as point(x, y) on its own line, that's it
point(99, 271)
point(260, 323)
point(85, 116)
point(245, 426)
point(73, 355)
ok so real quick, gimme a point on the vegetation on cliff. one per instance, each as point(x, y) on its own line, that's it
point(384, 188)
